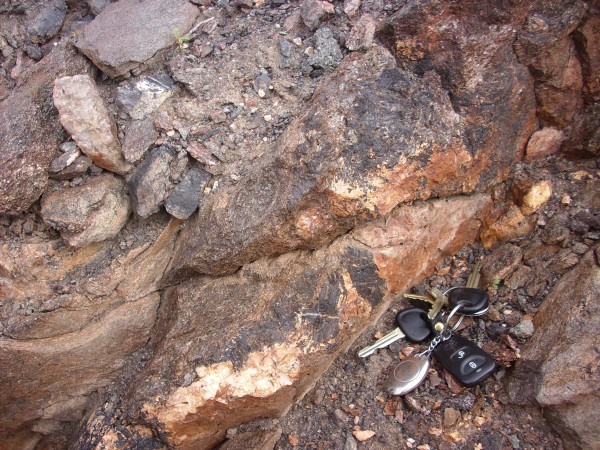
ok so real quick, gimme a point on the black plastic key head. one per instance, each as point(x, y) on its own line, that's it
point(473, 301)
point(415, 324)
point(465, 360)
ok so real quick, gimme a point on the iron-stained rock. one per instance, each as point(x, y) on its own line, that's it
point(257, 340)
point(185, 197)
point(78, 168)
point(31, 131)
point(92, 212)
point(313, 12)
point(150, 181)
point(64, 160)
point(128, 33)
point(372, 137)
point(85, 117)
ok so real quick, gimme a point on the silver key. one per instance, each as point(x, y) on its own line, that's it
point(389, 338)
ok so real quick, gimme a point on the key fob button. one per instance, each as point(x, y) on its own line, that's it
point(471, 364)
point(460, 354)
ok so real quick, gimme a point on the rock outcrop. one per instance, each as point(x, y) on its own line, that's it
point(557, 367)
point(30, 129)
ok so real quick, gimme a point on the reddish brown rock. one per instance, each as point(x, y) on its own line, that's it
point(545, 45)
point(558, 366)
point(543, 143)
point(390, 137)
point(511, 225)
point(587, 39)
point(247, 345)
point(31, 131)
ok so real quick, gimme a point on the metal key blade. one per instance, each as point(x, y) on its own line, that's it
point(425, 298)
point(440, 301)
point(473, 280)
point(381, 343)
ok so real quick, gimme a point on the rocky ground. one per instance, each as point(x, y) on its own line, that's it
point(233, 107)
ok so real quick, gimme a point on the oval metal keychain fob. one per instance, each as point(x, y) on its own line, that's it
point(408, 374)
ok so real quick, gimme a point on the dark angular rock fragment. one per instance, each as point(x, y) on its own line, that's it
point(185, 197)
point(48, 22)
point(150, 182)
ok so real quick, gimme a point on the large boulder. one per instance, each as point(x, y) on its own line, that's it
point(128, 33)
point(30, 129)
point(558, 367)
point(237, 347)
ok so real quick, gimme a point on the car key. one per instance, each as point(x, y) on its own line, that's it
point(473, 301)
point(409, 373)
point(413, 324)
point(465, 360)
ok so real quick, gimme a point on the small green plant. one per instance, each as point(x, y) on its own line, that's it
point(181, 38)
point(495, 284)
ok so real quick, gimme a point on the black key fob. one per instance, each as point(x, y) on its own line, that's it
point(415, 324)
point(473, 301)
point(465, 360)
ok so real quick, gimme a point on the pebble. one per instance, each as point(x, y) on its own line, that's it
point(451, 417)
point(67, 146)
point(297, 41)
point(64, 160)
point(523, 330)
point(268, 118)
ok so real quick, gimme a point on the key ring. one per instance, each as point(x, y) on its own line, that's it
point(452, 313)
point(445, 334)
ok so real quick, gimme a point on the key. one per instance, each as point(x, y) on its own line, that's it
point(465, 360)
point(413, 324)
point(472, 301)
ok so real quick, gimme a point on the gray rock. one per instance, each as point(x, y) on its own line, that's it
point(139, 136)
point(47, 23)
point(64, 160)
point(557, 366)
point(85, 117)
point(185, 197)
point(128, 33)
point(361, 36)
point(150, 182)
point(143, 96)
point(556, 230)
point(328, 54)
point(523, 330)
point(74, 170)
point(31, 131)
point(313, 12)
point(67, 146)
point(92, 212)
point(261, 85)
point(97, 6)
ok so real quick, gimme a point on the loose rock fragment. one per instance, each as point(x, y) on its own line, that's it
point(64, 160)
point(537, 196)
point(363, 435)
point(92, 212)
point(74, 170)
point(96, 6)
point(47, 23)
point(313, 12)
point(544, 142)
point(200, 153)
point(523, 330)
point(143, 96)
point(185, 197)
point(150, 182)
point(139, 136)
point(361, 37)
point(84, 116)
point(327, 55)
point(128, 33)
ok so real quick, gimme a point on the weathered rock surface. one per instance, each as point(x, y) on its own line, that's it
point(139, 136)
point(544, 142)
point(546, 46)
point(150, 181)
point(558, 366)
point(376, 149)
point(313, 12)
point(185, 197)
point(128, 33)
point(48, 22)
point(327, 53)
point(363, 32)
point(85, 117)
point(48, 397)
point(76, 169)
point(234, 348)
point(31, 132)
point(142, 97)
point(92, 212)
